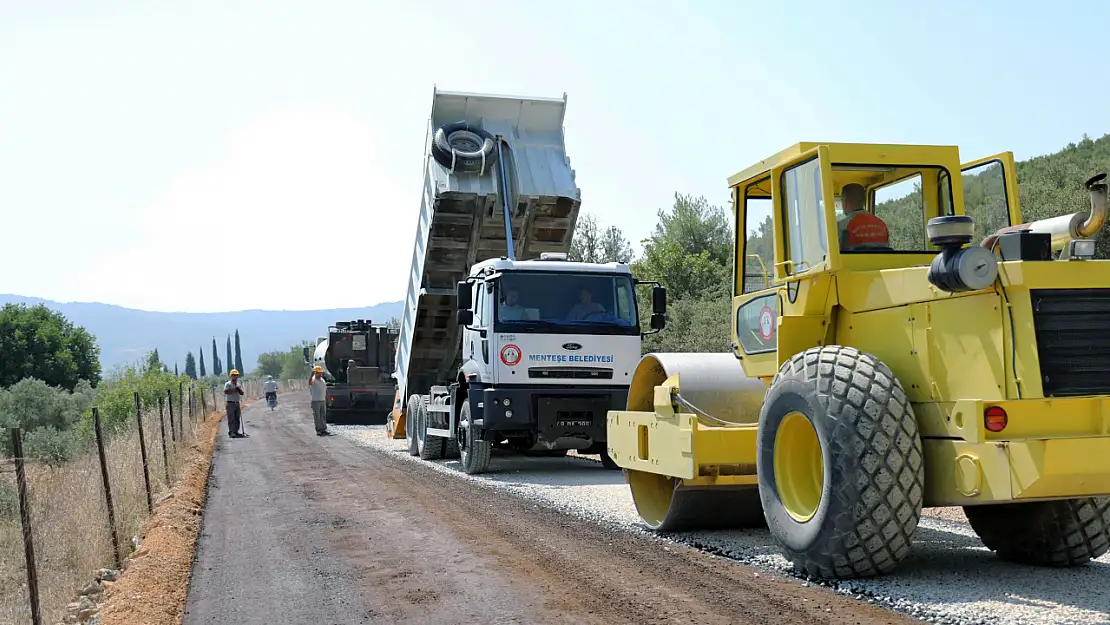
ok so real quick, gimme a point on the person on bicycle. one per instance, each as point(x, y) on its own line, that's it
point(271, 388)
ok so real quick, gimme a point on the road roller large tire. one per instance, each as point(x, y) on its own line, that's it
point(665, 505)
point(1070, 532)
point(841, 473)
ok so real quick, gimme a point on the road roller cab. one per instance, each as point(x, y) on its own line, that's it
point(901, 339)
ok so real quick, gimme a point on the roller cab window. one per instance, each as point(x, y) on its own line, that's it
point(884, 209)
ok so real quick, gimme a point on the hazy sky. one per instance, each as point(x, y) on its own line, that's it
point(213, 156)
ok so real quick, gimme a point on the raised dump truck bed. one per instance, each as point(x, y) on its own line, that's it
point(462, 216)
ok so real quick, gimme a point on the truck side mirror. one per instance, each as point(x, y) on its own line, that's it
point(304, 350)
point(463, 297)
point(464, 317)
point(658, 301)
point(658, 321)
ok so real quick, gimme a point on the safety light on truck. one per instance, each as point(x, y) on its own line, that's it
point(995, 419)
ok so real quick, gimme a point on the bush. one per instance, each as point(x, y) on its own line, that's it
point(32, 405)
point(52, 446)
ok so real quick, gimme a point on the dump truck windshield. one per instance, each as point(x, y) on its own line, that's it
point(541, 301)
point(885, 208)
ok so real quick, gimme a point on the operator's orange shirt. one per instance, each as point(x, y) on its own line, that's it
point(866, 228)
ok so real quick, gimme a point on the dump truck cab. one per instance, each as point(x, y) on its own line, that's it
point(901, 339)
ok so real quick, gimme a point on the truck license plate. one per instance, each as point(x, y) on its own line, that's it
point(574, 423)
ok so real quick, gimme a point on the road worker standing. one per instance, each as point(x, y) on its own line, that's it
point(233, 393)
point(317, 392)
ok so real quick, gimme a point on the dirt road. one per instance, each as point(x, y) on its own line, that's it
point(303, 529)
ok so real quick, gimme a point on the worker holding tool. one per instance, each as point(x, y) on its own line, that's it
point(233, 393)
point(317, 392)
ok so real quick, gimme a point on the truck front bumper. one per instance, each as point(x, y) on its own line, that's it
point(547, 413)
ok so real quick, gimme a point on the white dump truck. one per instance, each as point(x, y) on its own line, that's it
point(505, 343)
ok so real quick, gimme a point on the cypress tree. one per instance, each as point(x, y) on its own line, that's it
point(238, 353)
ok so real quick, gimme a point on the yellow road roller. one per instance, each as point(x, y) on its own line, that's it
point(901, 340)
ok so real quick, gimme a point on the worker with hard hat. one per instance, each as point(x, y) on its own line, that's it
point(317, 393)
point(233, 393)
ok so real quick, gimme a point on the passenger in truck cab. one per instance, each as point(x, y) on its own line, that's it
point(585, 307)
point(858, 229)
point(510, 309)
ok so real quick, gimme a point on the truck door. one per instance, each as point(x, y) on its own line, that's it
point(477, 341)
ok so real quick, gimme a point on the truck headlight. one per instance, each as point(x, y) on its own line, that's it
point(506, 402)
point(508, 414)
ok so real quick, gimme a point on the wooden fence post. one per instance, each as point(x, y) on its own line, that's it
point(107, 486)
point(25, 520)
point(142, 450)
point(169, 400)
point(165, 456)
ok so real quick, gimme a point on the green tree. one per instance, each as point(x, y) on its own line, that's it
point(591, 245)
point(36, 342)
point(271, 363)
point(690, 252)
point(216, 369)
point(238, 353)
point(203, 373)
point(230, 359)
point(153, 362)
point(190, 365)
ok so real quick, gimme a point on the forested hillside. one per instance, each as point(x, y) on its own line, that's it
point(691, 249)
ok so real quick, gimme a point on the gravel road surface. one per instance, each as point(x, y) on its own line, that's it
point(949, 578)
point(303, 529)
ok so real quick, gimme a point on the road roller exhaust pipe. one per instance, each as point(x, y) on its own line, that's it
point(1095, 222)
point(1076, 226)
point(1067, 228)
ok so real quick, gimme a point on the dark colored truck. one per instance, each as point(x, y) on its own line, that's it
point(357, 358)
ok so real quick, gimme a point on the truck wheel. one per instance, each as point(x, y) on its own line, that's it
point(430, 447)
point(839, 459)
point(1069, 532)
point(451, 448)
point(412, 421)
point(473, 454)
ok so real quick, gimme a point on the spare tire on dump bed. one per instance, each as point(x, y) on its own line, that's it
point(463, 148)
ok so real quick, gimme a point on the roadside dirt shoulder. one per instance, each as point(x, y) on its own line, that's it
point(155, 579)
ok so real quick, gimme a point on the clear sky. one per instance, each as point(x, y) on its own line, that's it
point(221, 155)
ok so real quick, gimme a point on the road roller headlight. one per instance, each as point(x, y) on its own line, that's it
point(957, 268)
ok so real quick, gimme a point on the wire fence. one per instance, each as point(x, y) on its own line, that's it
point(60, 525)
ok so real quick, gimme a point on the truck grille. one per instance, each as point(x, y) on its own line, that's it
point(1072, 340)
point(569, 373)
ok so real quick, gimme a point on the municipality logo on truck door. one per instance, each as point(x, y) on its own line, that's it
point(510, 354)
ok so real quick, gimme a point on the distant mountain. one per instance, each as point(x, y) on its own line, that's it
point(125, 335)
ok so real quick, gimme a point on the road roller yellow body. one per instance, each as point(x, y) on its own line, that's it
point(901, 339)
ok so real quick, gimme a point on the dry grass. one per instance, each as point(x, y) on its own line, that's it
point(69, 513)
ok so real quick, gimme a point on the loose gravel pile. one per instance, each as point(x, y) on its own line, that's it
point(950, 578)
